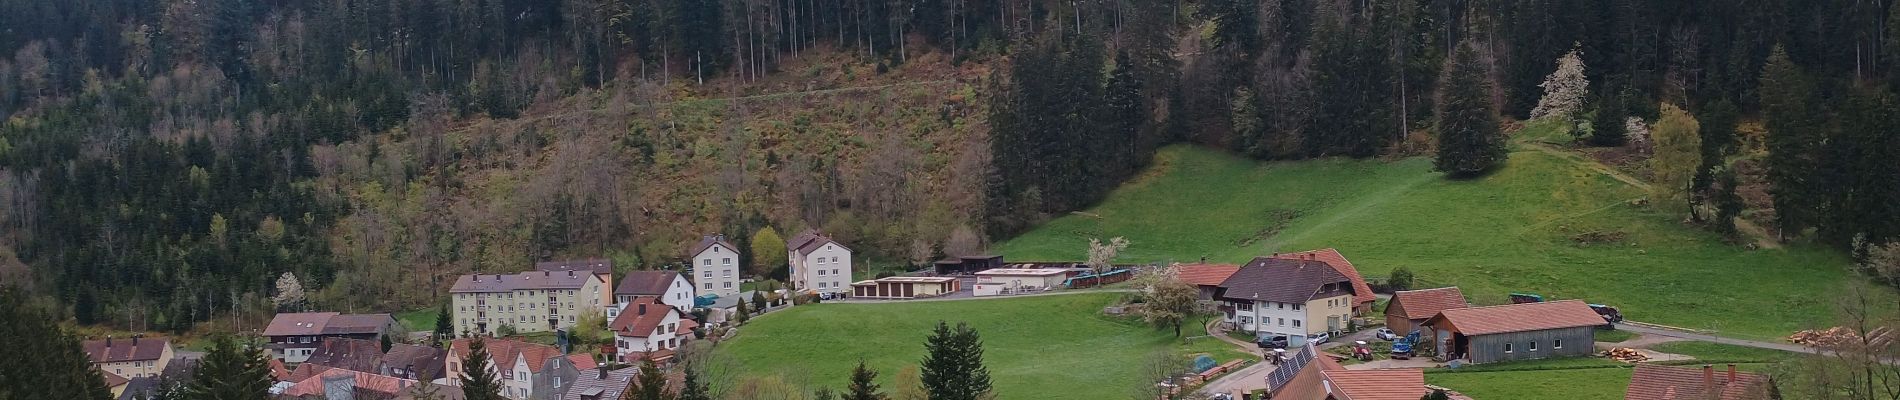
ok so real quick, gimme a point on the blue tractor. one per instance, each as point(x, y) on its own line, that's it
point(1402, 349)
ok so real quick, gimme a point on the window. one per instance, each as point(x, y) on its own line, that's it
point(557, 381)
point(1533, 345)
point(1283, 306)
point(1296, 323)
point(834, 271)
point(1296, 306)
point(708, 284)
point(705, 261)
point(1244, 306)
point(725, 261)
point(728, 285)
point(1244, 320)
point(1507, 347)
point(725, 273)
point(1557, 344)
point(1283, 322)
point(708, 273)
point(834, 260)
point(821, 272)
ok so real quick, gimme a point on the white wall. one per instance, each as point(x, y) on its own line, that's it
point(1266, 318)
point(826, 270)
point(663, 338)
point(716, 271)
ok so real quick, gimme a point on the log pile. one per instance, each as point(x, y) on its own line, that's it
point(1626, 354)
point(1825, 338)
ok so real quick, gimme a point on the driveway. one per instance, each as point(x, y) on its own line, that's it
point(1648, 330)
point(1251, 378)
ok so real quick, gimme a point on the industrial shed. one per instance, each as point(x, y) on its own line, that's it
point(906, 287)
point(1517, 331)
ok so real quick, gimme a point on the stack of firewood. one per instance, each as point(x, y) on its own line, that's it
point(1626, 354)
point(1826, 338)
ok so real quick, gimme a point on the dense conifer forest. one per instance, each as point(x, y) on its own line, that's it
point(164, 162)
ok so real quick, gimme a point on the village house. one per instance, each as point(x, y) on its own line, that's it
point(1516, 331)
point(1307, 375)
point(1363, 298)
point(1205, 277)
point(818, 264)
point(667, 287)
point(649, 330)
point(533, 301)
point(294, 336)
point(1296, 298)
point(129, 358)
point(600, 267)
point(1002, 281)
point(408, 361)
point(601, 385)
point(347, 384)
point(906, 287)
point(716, 266)
point(351, 354)
point(1660, 382)
point(527, 371)
point(1409, 309)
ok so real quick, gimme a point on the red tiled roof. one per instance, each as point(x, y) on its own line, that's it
point(1205, 274)
point(1657, 382)
point(1378, 384)
point(1362, 293)
point(278, 371)
point(1518, 317)
point(646, 283)
point(1425, 303)
point(384, 384)
point(122, 350)
point(1309, 382)
point(634, 323)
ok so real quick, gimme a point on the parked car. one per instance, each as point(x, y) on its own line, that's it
point(1273, 342)
point(1322, 337)
point(1385, 334)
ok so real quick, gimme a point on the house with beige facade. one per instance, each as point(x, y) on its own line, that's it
point(716, 266)
point(295, 336)
point(601, 267)
point(1296, 298)
point(533, 301)
point(129, 358)
point(818, 264)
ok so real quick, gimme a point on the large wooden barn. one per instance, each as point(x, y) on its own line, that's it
point(1516, 331)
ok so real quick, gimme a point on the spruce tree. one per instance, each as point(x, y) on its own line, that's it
point(444, 328)
point(649, 385)
point(954, 368)
point(44, 362)
point(1793, 136)
point(231, 371)
point(1607, 127)
point(1469, 143)
point(478, 382)
point(863, 384)
point(691, 388)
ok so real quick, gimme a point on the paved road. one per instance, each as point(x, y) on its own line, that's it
point(1016, 296)
point(1790, 347)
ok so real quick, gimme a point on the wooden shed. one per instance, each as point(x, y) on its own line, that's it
point(1516, 331)
point(1410, 308)
point(906, 287)
point(968, 264)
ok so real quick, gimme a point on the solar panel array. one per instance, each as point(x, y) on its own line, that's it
point(1285, 372)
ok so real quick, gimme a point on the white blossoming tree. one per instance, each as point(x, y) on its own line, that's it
point(290, 294)
point(1565, 89)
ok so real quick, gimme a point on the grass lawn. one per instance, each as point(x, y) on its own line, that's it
point(1050, 347)
point(1513, 231)
point(422, 320)
point(1706, 352)
point(1561, 384)
point(1615, 336)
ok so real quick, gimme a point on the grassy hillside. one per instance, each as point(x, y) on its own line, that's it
point(1050, 347)
point(1543, 224)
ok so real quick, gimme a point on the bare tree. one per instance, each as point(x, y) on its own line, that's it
point(1161, 371)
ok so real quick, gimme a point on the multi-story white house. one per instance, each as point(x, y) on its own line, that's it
point(818, 264)
point(647, 329)
point(667, 287)
point(716, 266)
point(534, 301)
point(1296, 298)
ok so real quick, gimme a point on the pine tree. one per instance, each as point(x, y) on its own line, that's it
point(1609, 127)
point(741, 314)
point(444, 328)
point(954, 369)
point(1678, 154)
point(231, 371)
point(478, 382)
point(649, 385)
point(1469, 143)
point(691, 388)
point(863, 384)
point(1793, 135)
point(1718, 141)
point(59, 368)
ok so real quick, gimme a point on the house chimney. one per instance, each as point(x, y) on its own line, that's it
point(108, 342)
point(135, 339)
point(1708, 375)
point(603, 372)
point(478, 277)
point(570, 273)
point(1731, 374)
point(643, 309)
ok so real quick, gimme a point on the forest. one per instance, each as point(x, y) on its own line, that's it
point(163, 162)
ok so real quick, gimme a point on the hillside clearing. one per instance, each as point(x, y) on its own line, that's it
point(1543, 224)
point(1049, 347)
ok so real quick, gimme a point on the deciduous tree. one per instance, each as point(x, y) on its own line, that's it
point(768, 252)
point(1678, 154)
point(1565, 89)
point(1169, 301)
point(1102, 255)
